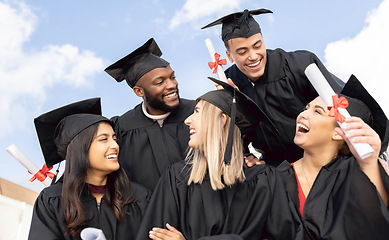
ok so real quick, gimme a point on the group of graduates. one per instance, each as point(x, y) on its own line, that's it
point(173, 168)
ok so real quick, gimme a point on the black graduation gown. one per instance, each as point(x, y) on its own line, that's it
point(222, 237)
point(343, 203)
point(146, 149)
point(282, 92)
point(255, 208)
point(48, 220)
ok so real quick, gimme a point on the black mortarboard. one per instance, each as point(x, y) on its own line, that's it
point(136, 64)
point(363, 105)
point(244, 112)
point(239, 24)
point(57, 128)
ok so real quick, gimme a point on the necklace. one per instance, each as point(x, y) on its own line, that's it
point(305, 175)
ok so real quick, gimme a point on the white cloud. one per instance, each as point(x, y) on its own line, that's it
point(25, 75)
point(16, 25)
point(365, 55)
point(196, 9)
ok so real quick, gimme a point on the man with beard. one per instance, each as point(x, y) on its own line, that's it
point(153, 134)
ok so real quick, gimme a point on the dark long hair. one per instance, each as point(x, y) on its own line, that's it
point(77, 164)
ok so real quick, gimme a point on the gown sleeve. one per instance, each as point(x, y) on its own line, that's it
point(298, 61)
point(222, 237)
point(134, 213)
point(44, 223)
point(162, 206)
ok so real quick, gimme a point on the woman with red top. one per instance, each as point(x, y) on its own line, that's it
point(337, 195)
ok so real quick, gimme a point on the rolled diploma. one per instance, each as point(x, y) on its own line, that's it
point(325, 91)
point(91, 233)
point(27, 163)
point(212, 51)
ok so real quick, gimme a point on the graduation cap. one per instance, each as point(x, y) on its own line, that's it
point(239, 24)
point(57, 128)
point(244, 112)
point(363, 105)
point(136, 64)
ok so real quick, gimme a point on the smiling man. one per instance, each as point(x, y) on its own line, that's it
point(274, 79)
point(153, 134)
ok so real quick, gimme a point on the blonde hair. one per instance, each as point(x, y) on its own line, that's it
point(210, 152)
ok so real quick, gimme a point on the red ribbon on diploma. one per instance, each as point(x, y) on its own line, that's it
point(338, 103)
point(217, 62)
point(42, 174)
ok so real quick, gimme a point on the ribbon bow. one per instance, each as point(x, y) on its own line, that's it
point(42, 174)
point(338, 103)
point(217, 62)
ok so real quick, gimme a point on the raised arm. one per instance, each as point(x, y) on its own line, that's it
point(370, 165)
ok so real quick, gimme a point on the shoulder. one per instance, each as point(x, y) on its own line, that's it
point(238, 77)
point(233, 71)
point(140, 192)
point(183, 111)
point(254, 171)
point(173, 179)
point(187, 105)
point(53, 190)
point(130, 113)
point(50, 197)
point(178, 172)
point(260, 176)
point(284, 166)
point(178, 167)
point(286, 172)
point(188, 102)
point(293, 63)
point(132, 119)
point(282, 54)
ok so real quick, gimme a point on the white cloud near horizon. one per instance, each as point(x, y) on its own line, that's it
point(365, 55)
point(26, 74)
point(194, 10)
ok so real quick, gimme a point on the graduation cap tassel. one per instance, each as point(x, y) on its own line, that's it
point(55, 175)
point(230, 138)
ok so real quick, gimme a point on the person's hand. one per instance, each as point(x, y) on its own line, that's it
point(361, 133)
point(166, 234)
point(251, 160)
point(229, 81)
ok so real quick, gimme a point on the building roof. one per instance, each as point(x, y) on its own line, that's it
point(17, 192)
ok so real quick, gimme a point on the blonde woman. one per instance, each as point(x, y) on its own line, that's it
point(336, 195)
point(211, 192)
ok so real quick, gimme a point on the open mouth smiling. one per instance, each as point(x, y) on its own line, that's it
point(254, 64)
point(302, 128)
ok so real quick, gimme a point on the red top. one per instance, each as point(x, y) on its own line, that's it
point(301, 195)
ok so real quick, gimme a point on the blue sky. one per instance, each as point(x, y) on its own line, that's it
point(54, 52)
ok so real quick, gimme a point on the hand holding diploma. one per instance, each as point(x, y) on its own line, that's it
point(40, 174)
point(331, 99)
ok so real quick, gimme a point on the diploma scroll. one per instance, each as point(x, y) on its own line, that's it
point(26, 162)
point(91, 233)
point(212, 51)
point(325, 91)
